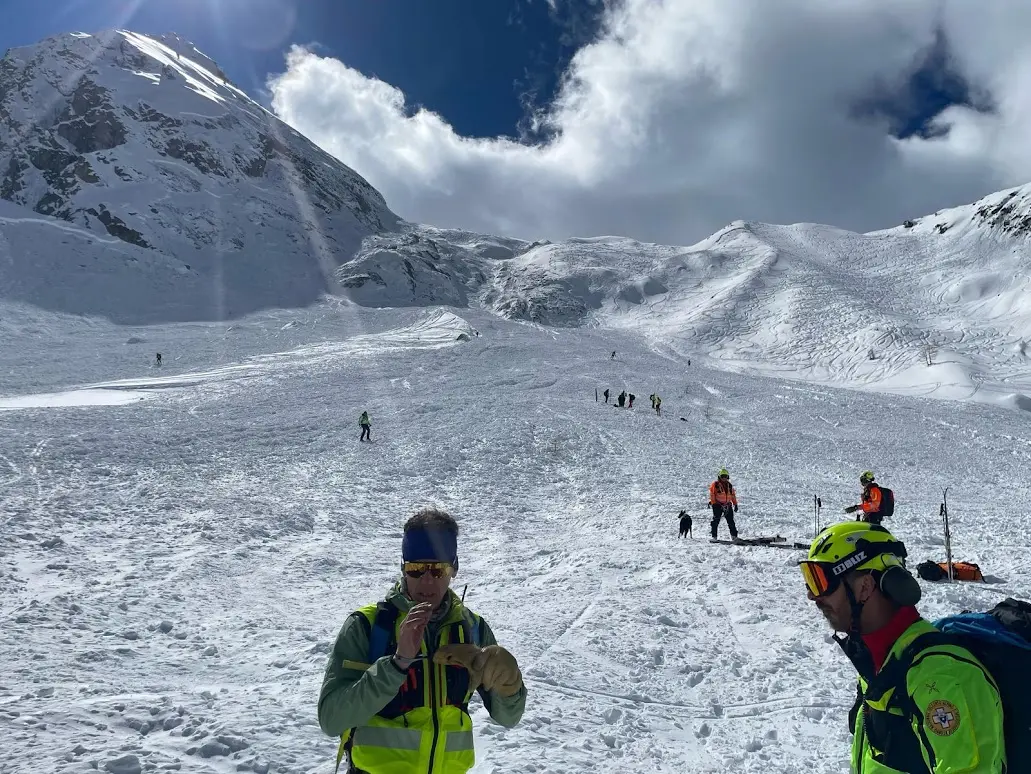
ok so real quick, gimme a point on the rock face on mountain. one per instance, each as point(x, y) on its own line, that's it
point(144, 141)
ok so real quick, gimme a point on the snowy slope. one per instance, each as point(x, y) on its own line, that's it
point(812, 301)
point(173, 569)
point(942, 304)
point(200, 203)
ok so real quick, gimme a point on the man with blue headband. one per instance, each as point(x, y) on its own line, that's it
point(398, 683)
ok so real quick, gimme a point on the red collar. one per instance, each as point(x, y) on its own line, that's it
point(880, 642)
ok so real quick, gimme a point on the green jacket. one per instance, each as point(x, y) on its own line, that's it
point(949, 723)
point(363, 420)
point(352, 694)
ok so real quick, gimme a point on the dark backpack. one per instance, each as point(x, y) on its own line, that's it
point(887, 502)
point(931, 571)
point(1001, 641)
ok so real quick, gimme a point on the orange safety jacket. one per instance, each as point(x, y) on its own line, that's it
point(722, 493)
point(871, 499)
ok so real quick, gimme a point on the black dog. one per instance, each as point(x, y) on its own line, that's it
point(685, 524)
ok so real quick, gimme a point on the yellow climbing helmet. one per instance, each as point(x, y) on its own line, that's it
point(866, 477)
point(846, 547)
point(723, 472)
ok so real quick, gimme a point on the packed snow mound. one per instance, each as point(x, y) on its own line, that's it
point(200, 203)
point(423, 266)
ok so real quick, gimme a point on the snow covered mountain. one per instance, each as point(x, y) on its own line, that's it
point(191, 200)
point(179, 545)
point(143, 187)
point(938, 306)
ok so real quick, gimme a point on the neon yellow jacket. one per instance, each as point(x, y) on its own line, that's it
point(396, 722)
point(949, 723)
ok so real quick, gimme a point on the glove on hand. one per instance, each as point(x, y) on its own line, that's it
point(493, 667)
point(735, 509)
point(853, 508)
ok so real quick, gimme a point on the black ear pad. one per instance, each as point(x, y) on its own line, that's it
point(901, 587)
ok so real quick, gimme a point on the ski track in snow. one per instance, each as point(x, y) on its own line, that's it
point(174, 569)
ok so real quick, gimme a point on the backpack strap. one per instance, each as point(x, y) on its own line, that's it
point(477, 630)
point(381, 632)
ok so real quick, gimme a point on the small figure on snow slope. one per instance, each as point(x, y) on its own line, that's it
point(399, 679)
point(931, 709)
point(877, 501)
point(365, 425)
point(723, 501)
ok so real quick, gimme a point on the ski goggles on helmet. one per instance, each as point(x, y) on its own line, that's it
point(823, 578)
point(819, 578)
point(435, 569)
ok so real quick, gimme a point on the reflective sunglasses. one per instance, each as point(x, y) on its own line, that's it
point(435, 569)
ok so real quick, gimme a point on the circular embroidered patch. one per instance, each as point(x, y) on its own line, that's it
point(942, 717)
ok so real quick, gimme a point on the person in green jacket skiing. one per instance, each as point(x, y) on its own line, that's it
point(397, 686)
point(939, 711)
point(365, 425)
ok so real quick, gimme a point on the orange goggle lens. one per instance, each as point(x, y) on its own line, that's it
point(818, 578)
point(435, 569)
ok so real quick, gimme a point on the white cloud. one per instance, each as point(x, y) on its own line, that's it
point(685, 115)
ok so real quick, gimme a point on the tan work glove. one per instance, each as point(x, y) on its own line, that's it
point(493, 667)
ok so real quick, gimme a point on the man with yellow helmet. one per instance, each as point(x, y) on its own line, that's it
point(949, 717)
point(723, 501)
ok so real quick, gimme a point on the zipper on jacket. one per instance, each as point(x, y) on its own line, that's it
point(862, 739)
point(431, 668)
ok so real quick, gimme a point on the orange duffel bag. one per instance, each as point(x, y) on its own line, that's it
point(964, 571)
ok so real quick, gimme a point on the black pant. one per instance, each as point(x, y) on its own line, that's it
point(366, 432)
point(870, 518)
point(727, 512)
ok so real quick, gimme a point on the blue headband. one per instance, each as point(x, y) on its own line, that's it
point(425, 545)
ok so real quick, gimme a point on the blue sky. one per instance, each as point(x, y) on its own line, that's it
point(663, 120)
point(480, 63)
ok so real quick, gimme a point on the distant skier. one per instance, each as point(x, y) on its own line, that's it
point(723, 501)
point(158, 360)
point(621, 400)
point(366, 426)
point(606, 394)
point(613, 354)
point(658, 405)
point(630, 398)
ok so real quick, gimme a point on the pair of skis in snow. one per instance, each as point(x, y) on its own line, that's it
point(775, 541)
point(778, 541)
